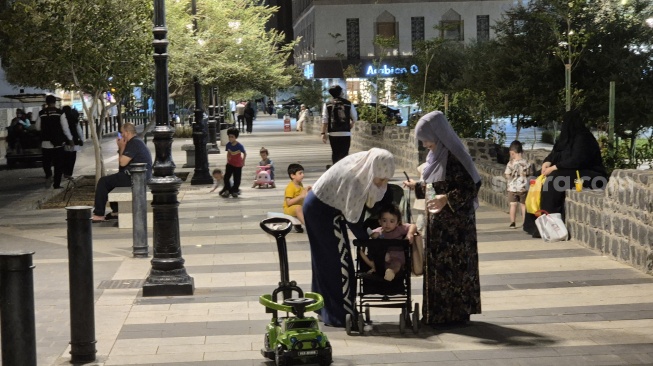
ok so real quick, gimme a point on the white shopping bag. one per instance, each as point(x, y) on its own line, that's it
point(551, 227)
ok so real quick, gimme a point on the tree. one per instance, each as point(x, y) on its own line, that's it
point(90, 47)
point(231, 48)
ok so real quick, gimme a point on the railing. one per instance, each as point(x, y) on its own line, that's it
point(110, 124)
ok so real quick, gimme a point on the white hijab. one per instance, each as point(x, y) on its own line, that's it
point(348, 184)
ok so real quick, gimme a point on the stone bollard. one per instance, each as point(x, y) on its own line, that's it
point(80, 276)
point(17, 309)
point(139, 210)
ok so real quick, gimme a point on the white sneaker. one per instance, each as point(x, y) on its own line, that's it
point(389, 275)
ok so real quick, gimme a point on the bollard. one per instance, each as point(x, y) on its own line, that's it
point(139, 210)
point(80, 276)
point(17, 309)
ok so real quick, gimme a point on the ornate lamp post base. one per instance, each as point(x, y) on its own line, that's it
point(163, 283)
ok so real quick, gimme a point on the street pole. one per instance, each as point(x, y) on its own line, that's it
point(213, 123)
point(168, 275)
point(568, 86)
point(611, 116)
point(200, 132)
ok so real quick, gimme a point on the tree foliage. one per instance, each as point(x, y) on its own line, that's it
point(230, 49)
point(88, 46)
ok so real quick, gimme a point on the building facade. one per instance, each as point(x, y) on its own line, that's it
point(338, 33)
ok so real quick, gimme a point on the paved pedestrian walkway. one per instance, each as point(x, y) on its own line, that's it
point(543, 303)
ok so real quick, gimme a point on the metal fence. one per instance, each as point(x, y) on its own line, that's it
point(110, 124)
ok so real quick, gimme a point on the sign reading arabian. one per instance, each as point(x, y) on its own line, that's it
point(386, 70)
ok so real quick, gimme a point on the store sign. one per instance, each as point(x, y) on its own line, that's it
point(309, 71)
point(386, 70)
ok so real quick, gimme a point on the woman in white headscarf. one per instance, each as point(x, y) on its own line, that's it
point(451, 283)
point(337, 200)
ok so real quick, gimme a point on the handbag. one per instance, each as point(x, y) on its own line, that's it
point(534, 194)
point(551, 227)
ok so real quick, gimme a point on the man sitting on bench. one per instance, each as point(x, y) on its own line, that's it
point(131, 149)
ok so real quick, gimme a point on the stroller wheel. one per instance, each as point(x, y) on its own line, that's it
point(348, 324)
point(367, 314)
point(416, 319)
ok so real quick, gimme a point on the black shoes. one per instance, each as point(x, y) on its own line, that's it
point(512, 225)
point(298, 229)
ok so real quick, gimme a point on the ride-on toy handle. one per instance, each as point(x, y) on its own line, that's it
point(316, 303)
point(275, 227)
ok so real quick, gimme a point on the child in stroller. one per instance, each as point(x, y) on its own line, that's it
point(391, 288)
point(391, 228)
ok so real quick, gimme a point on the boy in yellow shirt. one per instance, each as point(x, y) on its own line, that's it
point(295, 194)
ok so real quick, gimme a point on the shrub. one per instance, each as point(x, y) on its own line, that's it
point(183, 132)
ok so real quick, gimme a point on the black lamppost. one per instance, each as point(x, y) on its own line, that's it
point(213, 122)
point(200, 131)
point(168, 275)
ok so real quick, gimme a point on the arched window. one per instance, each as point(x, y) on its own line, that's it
point(451, 26)
point(386, 26)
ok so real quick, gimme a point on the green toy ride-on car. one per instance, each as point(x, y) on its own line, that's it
point(294, 337)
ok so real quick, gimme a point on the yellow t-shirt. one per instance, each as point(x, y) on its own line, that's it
point(292, 191)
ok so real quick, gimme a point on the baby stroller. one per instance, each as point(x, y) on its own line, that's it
point(263, 178)
point(374, 291)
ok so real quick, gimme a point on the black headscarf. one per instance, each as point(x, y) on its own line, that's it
point(573, 125)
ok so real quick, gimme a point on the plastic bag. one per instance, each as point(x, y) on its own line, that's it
point(551, 227)
point(534, 194)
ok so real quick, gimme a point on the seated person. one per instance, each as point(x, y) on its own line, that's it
point(131, 150)
point(391, 228)
point(295, 194)
point(575, 150)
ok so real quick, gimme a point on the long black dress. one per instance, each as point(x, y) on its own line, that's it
point(452, 290)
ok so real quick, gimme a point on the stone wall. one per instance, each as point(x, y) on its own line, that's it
point(617, 221)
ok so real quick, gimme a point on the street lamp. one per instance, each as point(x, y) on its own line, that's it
point(200, 132)
point(168, 275)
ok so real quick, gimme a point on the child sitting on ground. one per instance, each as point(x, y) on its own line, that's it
point(266, 162)
point(217, 178)
point(295, 194)
point(391, 228)
point(517, 172)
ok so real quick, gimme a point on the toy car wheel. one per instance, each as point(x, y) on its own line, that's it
point(416, 319)
point(327, 359)
point(280, 359)
point(367, 314)
point(402, 321)
point(361, 325)
point(348, 324)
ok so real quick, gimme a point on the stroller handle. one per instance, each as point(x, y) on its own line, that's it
point(274, 231)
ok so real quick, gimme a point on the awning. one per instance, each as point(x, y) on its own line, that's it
point(29, 98)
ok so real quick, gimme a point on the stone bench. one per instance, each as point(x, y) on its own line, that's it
point(123, 197)
point(293, 220)
point(190, 153)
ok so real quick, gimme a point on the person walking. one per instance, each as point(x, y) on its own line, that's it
point(452, 289)
point(240, 116)
point(337, 201)
point(70, 152)
point(249, 114)
point(55, 133)
point(338, 118)
point(302, 118)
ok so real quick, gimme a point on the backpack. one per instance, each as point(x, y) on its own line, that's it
point(339, 112)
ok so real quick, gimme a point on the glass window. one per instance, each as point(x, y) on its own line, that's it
point(482, 27)
point(416, 30)
point(353, 39)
